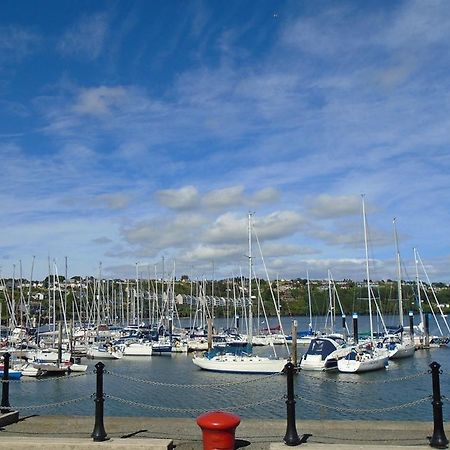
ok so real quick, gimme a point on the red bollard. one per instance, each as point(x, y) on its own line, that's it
point(218, 429)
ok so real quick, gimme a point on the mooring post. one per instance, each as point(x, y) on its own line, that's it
point(294, 353)
point(355, 328)
point(99, 433)
point(411, 325)
point(427, 330)
point(5, 384)
point(291, 437)
point(438, 440)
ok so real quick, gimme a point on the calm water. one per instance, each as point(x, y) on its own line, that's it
point(173, 386)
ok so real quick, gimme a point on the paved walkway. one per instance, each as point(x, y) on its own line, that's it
point(131, 432)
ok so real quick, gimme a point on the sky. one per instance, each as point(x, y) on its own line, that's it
point(136, 137)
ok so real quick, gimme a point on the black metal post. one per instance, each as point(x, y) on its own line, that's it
point(291, 437)
point(411, 324)
point(438, 440)
point(99, 433)
point(427, 330)
point(355, 328)
point(5, 384)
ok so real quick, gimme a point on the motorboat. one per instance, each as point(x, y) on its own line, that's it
point(323, 353)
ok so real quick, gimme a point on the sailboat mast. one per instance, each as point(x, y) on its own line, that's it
point(250, 268)
point(369, 291)
point(399, 275)
point(309, 300)
point(419, 299)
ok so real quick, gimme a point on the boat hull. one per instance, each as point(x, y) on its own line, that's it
point(240, 364)
point(137, 349)
point(366, 365)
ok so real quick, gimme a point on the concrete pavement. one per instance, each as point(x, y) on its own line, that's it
point(67, 432)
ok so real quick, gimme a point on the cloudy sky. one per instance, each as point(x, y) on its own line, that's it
point(141, 131)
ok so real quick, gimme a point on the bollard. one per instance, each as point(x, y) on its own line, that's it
point(99, 433)
point(438, 440)
point(218, 430)
point(5, 384)
point(291, 437)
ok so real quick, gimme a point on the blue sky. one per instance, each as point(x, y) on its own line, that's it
point(141, 130)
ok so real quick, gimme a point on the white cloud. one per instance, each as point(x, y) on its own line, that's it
point(99, 101)
point(165, 233)
point(266, 195)
point(114, 201)
point(327, 206)
point(184, 198)
point(17, 42)
point(86, 38)
point(220, 198)
point(217, 253)
point(279, 224)
point(227, 227)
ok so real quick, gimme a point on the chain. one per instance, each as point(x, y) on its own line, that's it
point(189, 410)
point(193, 386)
point(52, 405)
point(362, 410)
point(392, 380)
point(51, 378)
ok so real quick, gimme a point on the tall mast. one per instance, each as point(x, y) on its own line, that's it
point(419, 299)
point(309, 300)
point(369, 290)
point(250, 268)
point(138, 310)
point(399, 276)
point(332, 305)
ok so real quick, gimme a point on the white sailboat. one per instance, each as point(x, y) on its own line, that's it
point(242, 362)
point(136, 348)
point(104, 351)
point(422, 338)
point(368, 356)
point(397, 345)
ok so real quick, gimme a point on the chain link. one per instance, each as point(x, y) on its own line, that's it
point(363, 410)
point(44, 379)
point(51, 405)
point(192, 386)
point(392, 380)
point(190, 410)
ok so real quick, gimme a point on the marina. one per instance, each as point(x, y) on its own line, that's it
point(173, 386)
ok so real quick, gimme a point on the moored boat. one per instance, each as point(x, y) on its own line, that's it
point(323, 353)
point(239, 363)
point(364, 359)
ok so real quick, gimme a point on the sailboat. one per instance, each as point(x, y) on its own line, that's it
point(241, 362)
point(422, 337)
point(397, 346)
point(369, 355)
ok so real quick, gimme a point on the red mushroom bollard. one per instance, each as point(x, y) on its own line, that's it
point(218, 429)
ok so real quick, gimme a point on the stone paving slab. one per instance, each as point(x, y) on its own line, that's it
point(252, 434)
point(24, 443)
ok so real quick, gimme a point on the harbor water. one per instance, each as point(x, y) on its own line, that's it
point(171, 386)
